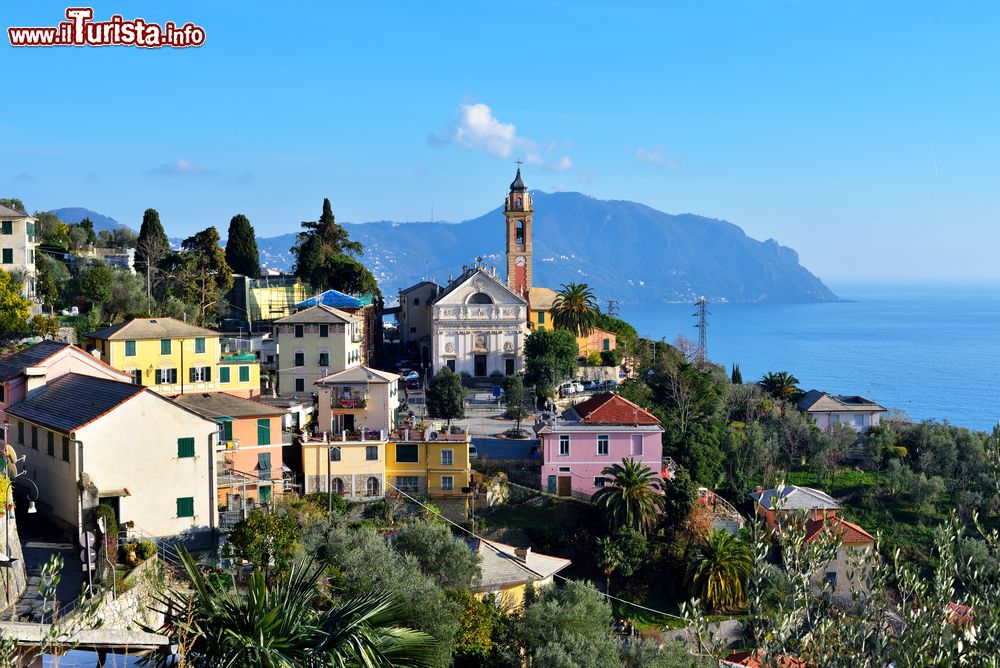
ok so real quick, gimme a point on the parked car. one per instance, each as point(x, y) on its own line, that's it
point(566, 389)
point(410, 375)
point(473, 452)
point(577, 388)
point(591, 385)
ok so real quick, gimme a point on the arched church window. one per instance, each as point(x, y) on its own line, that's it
point(518, 201)
point(519, 233)
point(480, 298)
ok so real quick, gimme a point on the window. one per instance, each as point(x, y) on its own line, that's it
point(8, 256)
point(831, 577)
point(335, 454)
point(372, 487)
point(264, 431)
point(563, 469)
point(65, 448)
point(324, 359)
point(200, 374)
point(2, 392)
point(859, 421)
point(480, 298)
point(137, 376)
point(164, 346)
point(264, 465)
point(199, 345)
point(413, 330)
point(447, 483)
point(130, 349)
point(599, 482)
point(185, 506)
point(408, 483)
point(185, 447)
point(607, 344)
point(223, 374)
point(299, 331)
point(166, 376)
point(34, 438)
point(563, 445)
point(636, 444)
point(447, 457)
point(338, 486)
point(244, 374)
point(541, 317)
point(371, 453)
point(227, 430)
point(407, 452)
point(416, 300)
point(324, 331)
point(7, 227)
point(20, 433)
point(451, 365)
point(50, 444)
point(300, 385)
point(300, 359)
point(602, 445)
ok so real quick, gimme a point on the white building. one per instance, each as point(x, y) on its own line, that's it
point(828, 410)
point(478, 325)
point(18, 246)
point(313, 344)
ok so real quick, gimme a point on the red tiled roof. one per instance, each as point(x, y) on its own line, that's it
point(757, 659)
point(612, 409)
point(851, 533)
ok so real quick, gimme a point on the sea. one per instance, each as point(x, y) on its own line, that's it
point(929, 350)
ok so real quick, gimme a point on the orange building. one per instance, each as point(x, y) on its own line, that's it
point(251, 467)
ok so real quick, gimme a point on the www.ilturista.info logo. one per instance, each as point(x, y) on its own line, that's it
point(81, 30)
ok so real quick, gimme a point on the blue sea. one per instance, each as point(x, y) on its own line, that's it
point(932, 351)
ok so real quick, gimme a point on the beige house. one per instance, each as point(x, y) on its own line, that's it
point(828, 410)
point(18, 246)
point(414, 318)
point(90, 441)
point(351, 465)
point(358, 398)
point(315, 343)
point(507, 571)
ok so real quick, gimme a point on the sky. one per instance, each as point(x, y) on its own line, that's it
point(862, 134)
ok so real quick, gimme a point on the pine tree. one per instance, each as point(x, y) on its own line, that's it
point(204, 275)
point(737, 377)
point(151, 231)
point(325, 257)
point(241, 247)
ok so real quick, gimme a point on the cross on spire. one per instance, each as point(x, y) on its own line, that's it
point(519, 163)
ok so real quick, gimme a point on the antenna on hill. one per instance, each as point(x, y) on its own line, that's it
point(613, 308)
point(701, 352)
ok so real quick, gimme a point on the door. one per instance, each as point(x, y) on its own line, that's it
point(551, 487)
point(115, 503)
point(480, 365)
point(349, 422)
point(264, 494)
point(509, 362)
point(565, 485)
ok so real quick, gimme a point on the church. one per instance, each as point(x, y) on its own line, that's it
point(477, 324)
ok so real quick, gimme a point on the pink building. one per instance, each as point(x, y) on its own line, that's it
point(31, 368)
point(593, 434)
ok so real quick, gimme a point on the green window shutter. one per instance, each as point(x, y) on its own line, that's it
point(164, 346)
point(20, 433)
point(264, 431)
point(185, 447)
point(8, 256)
point(224, 374)
point(264, 466)
point(541, 317)
point(244, 374)
point(130, 349)
point(65, 449)
point(407, 453)
point(227, 430)
point(185, 506)
point(199, 345)
point(7, 227)
point(208, 374)
point(607, 344)
point(191, 375)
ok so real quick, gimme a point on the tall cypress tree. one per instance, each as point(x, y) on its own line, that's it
point(150, 232)
point(241, 247)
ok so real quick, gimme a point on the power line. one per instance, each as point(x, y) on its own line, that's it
point(486, 541)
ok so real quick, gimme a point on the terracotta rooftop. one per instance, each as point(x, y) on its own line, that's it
point(610, 408)
point(850, 533)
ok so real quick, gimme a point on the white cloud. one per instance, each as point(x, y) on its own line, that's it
point(178, 166)
point(475, 128)
point(655, 156)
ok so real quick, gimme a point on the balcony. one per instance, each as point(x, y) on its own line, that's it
point(430, 434)
point(250, 357)
point(347, 399)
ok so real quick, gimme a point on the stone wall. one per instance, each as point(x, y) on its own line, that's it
point(132, 609)
point(12, 580)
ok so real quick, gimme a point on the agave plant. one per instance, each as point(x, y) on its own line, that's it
point(278, 625)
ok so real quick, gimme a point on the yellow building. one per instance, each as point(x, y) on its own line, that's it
point(172, 357)
point(353, 466)
point(507, 571)
point(432, 464)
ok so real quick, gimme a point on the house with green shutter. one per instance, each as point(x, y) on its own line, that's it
point(90, 440)
point(250, 468)
point(18, 246)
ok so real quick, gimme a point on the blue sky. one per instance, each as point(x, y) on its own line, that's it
point(862, 134)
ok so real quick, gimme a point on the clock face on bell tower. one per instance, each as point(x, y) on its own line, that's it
point(518, 214)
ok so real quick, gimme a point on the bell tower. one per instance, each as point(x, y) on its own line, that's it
point(517, 211)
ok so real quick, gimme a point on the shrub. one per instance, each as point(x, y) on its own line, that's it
point(594, 358)
point(145, 550)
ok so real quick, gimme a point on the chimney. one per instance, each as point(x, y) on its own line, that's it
point(35, 376)
point(96, 353)
point(522, 553)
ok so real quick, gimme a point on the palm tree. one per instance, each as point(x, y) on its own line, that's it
point(632, 498)
point(720, 566)
point(609, 559)
point(780, 385)
point(276, 625)
point(575, 309)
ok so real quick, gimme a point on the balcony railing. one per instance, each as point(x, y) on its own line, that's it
point(429, 435)
point(251, 357)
